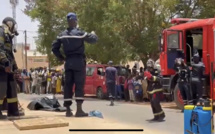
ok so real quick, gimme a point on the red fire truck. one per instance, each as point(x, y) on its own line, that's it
point(179, 41)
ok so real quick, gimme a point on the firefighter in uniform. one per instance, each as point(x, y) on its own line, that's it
point(154, 90)
point(72, 40)
point(183, 81)
point(8, 66)
point(196, 78)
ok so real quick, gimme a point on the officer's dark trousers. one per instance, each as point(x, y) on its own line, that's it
point(185, 92)
point(197, 91)
point(8, 90)
point(111, 88)
point(155, 104)
point(77, 78)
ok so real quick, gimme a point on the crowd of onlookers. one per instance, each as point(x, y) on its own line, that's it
point(132, 86)
point(41, 81)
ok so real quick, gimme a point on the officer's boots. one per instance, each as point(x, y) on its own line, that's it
point(155, 118)
point(14, 110)
point(2, 117)
point(21, 110)
point(161, 117)
point(68, 112)
point(80, 112)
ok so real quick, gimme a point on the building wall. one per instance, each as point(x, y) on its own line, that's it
point(32, 61)
point(37, 61)
point(20, 58)
point(132, 63)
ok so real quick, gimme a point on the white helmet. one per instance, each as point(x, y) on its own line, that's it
point(150, 63)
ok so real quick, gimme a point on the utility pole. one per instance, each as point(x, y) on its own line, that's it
point(26, 64)
point(14, 3)
point(23, 62)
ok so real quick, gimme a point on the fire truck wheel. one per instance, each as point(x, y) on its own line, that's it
point(177, 98)
point(100, 93)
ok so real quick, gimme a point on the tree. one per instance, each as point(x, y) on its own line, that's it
point(126, 28)
point(52, 20)
point(143, 24)
point(45, 13)
point(110, 46)
point(207, 9)
point(124, 23)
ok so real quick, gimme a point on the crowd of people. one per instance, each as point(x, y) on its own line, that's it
point(41, 81)
point(132, 87)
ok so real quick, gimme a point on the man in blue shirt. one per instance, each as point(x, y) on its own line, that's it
point(111, 81)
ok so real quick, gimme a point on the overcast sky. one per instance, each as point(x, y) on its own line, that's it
point(24, 22)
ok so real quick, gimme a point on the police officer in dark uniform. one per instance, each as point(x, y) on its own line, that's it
point(72, 40)
point(183, 81)
point(196, 79)
point(154, 90)
point(111, 81)
point(8, 67)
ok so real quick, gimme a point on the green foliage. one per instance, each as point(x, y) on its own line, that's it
point(111, 45)
point(51, 15)
point(127, 29)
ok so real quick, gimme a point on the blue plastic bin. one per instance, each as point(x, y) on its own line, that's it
point(198, 120)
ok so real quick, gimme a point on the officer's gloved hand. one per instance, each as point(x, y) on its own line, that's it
point(148, 75)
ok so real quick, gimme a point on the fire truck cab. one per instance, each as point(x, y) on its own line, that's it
point(180, 41)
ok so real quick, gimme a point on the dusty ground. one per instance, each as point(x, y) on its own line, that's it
point(122, 116)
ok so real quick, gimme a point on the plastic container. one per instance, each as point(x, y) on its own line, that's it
point(198, 120)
